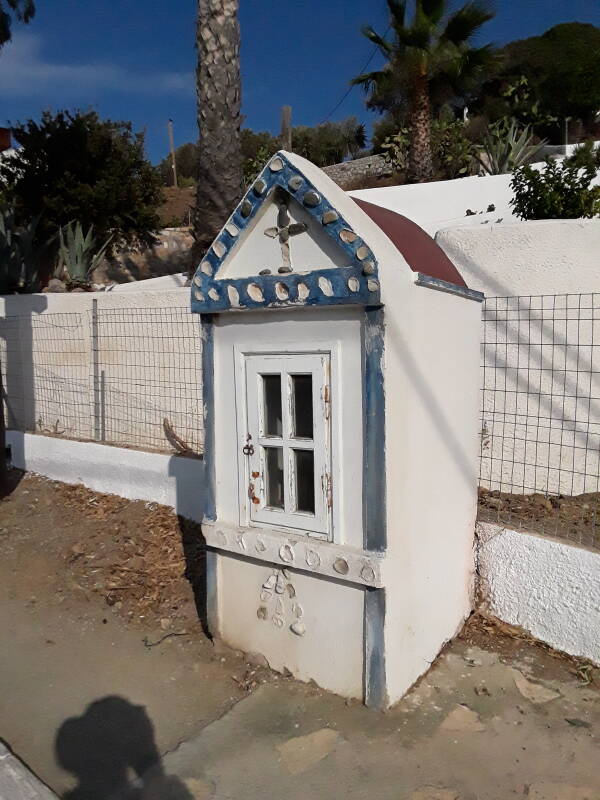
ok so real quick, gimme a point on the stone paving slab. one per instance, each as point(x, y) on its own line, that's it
point(475, 728)
point(19, 783)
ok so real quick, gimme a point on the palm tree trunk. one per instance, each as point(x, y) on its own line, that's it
point(420, 162)
point(218, 92)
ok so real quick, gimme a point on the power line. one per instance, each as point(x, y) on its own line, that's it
point(363, 68)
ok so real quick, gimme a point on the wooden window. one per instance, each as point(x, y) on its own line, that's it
point(286, 456)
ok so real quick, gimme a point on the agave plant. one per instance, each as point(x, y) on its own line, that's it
point(506, 146)
point(78, 254)
point(18, 253)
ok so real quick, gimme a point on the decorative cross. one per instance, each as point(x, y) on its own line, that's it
point(285, 228)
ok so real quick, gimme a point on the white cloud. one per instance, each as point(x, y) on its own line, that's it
point(25, 72)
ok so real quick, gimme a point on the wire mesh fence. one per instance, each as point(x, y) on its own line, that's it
point(126, 377)
point(540, 418)
point(132, 378)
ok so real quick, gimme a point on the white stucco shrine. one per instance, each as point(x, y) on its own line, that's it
point(341, 379)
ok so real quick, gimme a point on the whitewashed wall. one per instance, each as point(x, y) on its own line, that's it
point(541, 394)
point(113, 376)
point(547, 587)
point(540, 351)
point(439, 205)
point(526, 258)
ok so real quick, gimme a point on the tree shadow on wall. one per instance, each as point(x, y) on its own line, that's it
point(111, 751)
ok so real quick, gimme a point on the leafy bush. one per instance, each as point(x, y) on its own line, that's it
point(506, 146)
point(77, 166)
point(19, 255)
point(78, 254)
point(558, 191)
point(451, 149)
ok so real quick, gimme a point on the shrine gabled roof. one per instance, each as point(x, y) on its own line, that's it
point(296, 239)
point(420, 251)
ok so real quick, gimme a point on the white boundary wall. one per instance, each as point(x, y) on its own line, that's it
point(113, 376)
point(547, 256)
point(547, 587)
point(172, 481)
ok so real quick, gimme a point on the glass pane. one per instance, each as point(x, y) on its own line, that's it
point(303, 406)
point(272, 400)
point(305, 480)
point(274, 476)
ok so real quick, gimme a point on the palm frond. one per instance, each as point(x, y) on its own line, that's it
point(370, 80)
point(465, 22)
point(397, 9)
point(384, 46)
point(433, 9)
point(24, 9)
point(415, 37)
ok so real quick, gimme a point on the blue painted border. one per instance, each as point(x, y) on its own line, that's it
point(375, 680)
point(210, 294)
point(374, 483)
point(208, 408)
point(212, 598)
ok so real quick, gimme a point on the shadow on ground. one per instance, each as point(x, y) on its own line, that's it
point(111, 751)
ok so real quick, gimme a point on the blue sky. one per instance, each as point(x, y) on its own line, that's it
point(134, 59)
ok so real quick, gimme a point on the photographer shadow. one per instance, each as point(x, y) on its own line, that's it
point(111, 751)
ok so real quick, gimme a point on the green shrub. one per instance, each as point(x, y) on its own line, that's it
point(19, 254)
point(558, 191)
point(453, 153)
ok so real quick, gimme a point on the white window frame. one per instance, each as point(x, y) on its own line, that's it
point(249, 393)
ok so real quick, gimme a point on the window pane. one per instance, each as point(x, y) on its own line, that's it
point(305, 480)
point(303, 406)
point(274, 476)
point(272, 400)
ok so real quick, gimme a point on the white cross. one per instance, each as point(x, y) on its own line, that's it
point(285, 228)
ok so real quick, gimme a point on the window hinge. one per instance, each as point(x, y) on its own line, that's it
point(327, 401)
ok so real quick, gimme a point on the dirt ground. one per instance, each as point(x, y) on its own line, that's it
point(110, 689)
point(573, 518)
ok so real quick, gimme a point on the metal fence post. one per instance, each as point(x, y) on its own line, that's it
point(97, 389)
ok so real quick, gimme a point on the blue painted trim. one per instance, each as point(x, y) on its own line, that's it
point(375, 683)
point(208, 405)
point(210, 293)
point(374, 482)
point(450, 288)
point(212, 597)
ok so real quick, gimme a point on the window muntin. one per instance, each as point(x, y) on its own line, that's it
point(288, 465)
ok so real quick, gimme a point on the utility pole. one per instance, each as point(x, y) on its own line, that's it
point(567, 135)
point(286, 128)
point(172, 150)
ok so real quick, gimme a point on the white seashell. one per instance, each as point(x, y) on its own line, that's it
point(286, 553)
point(299, 628)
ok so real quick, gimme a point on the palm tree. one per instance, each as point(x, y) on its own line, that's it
point(218, 92)
point(23, 10)
point(428, 58)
